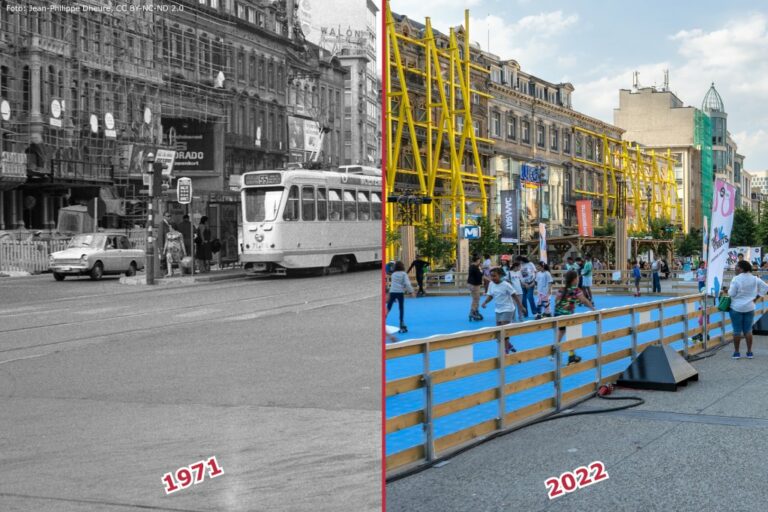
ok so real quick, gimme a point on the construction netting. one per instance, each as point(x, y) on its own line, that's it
point(702, 139)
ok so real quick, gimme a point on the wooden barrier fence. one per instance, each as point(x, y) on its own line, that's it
point(457, 350)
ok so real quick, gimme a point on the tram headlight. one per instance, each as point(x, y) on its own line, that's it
point(259, 237)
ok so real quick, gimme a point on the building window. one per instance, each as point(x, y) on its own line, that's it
point(241, 66)
point(540, 137)
point(271, 74)
point(553, 136)
point(579, 145)
point(567, 143)
point(496, 124)
point(525, 126)
point(252, 70)
point(262, 72)
point(476, 126)
point(511, 127)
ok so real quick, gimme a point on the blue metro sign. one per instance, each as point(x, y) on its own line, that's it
point(469, 232)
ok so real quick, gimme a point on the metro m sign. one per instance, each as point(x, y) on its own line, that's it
point(468, 232)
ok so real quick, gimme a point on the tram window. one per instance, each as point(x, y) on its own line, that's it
point(334, 197)
point(322, 204)
point(291, 211)
point(363, 206)
point(307, 203)
point(261, 204)
point(350, 205)
point(375, 206)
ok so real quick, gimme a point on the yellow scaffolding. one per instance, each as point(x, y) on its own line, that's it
point(648, 178)
point(436, 146)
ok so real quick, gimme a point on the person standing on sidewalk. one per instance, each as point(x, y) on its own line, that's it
point(420, 265)
point(399, 284)
point(543, 289)
point(655, 274)
point(744, 290)
point(203, 248)
point(586, 277)
point(637, 276)
point(475, 284)
point(507, 301)
point(701, 276)
point(528, 280)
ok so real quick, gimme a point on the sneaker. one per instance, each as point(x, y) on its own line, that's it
point(538, 317)
point(403, 329)
point(750, 355)
point(573, 359)
point(736, 355)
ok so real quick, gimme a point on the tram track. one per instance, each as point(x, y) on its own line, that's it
point(186, 322)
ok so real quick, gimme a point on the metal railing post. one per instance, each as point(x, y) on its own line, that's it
point(429, 428)
point(685, 329)
point(661, 323)
point(633, 327)
point(558, 371)
point(502, 354)
point(599, 348)
point(705, 323)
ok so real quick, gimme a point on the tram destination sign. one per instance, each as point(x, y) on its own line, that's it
point(272, 178)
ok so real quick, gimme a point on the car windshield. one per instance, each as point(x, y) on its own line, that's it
point(87, 241)
point(261, 204)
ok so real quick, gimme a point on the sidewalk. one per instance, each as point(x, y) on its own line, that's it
point(178, 279)
point(701, 448)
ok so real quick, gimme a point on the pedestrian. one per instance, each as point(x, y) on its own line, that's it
point(487, 270)
point(586, 277)
point(515, 279)
point(475, 284)
point(203, 245)
point(569, 264)
point(505, 269)
point(579, 266)
point(398, 285)
point(420, 265)
point(165, 226)
point(543, 290)
point(637, 275)
point(655, 274)
point(665, 269)
point(701, 276)
point(745, 289)
point(507, 301)
point(528, 281)
point(185, 227)
point(173, 250)
point(565, 304)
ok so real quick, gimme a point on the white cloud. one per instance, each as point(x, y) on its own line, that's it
point(754, 146)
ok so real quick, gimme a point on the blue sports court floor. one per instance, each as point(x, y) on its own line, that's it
point(429, 316)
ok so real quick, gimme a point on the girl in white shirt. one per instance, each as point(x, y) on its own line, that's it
point(744, 289)
point(543, 290)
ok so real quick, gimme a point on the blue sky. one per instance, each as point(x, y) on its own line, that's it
point(597, 44)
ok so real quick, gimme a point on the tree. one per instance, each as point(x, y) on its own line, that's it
point(393, 238)
point(689, 244)
point(489, 241)
point(762, 229)
point(432, 243)
point(609, 229)
point(744, 232)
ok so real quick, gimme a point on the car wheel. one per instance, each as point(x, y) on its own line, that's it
point(131, 270)
point(97, 271)
point(58, 277)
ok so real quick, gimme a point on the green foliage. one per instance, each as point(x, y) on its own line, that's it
point(609, 229)
point(744, 232)
point(660, 229)
point(489, 241)
point(432, 244)
point(762, 227)
point(690, 244)
point(393, 236)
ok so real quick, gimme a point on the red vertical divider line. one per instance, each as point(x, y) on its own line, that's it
point(384, 137)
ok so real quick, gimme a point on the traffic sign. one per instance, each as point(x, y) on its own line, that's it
point(468, 232)
point(184, 190)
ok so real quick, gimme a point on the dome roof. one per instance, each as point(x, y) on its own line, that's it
point(712, 101)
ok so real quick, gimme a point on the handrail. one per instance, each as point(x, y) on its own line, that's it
point(464, 381)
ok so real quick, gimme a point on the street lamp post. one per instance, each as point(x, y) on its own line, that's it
point(150, 244)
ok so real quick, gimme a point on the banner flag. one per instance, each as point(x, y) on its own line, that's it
point(584, 215)
point(510, 217)
point(543, 242)
point(723, 206)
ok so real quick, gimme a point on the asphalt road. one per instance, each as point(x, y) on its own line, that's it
point(104, 388)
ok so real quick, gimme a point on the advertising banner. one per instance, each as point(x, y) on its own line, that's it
point(193, 142)
point(704, 240)
point(750, 254)
point(304, 134)
point(723, 206)
point(510, 218)
point(543, 242)
point(584, 215)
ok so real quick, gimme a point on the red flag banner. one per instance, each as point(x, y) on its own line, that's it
point(584, 215)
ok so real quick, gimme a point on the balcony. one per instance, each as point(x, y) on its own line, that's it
point(47, 44)
point(79, 171)
point(95, 61)
point(136, 72)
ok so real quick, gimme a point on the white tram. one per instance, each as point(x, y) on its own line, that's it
point(302, 219)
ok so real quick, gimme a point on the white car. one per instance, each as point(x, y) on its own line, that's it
point(96, 254)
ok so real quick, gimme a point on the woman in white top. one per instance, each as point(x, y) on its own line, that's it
point(744, 289)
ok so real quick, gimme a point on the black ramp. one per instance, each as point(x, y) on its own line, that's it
point(761, 327)
point(660, 368)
